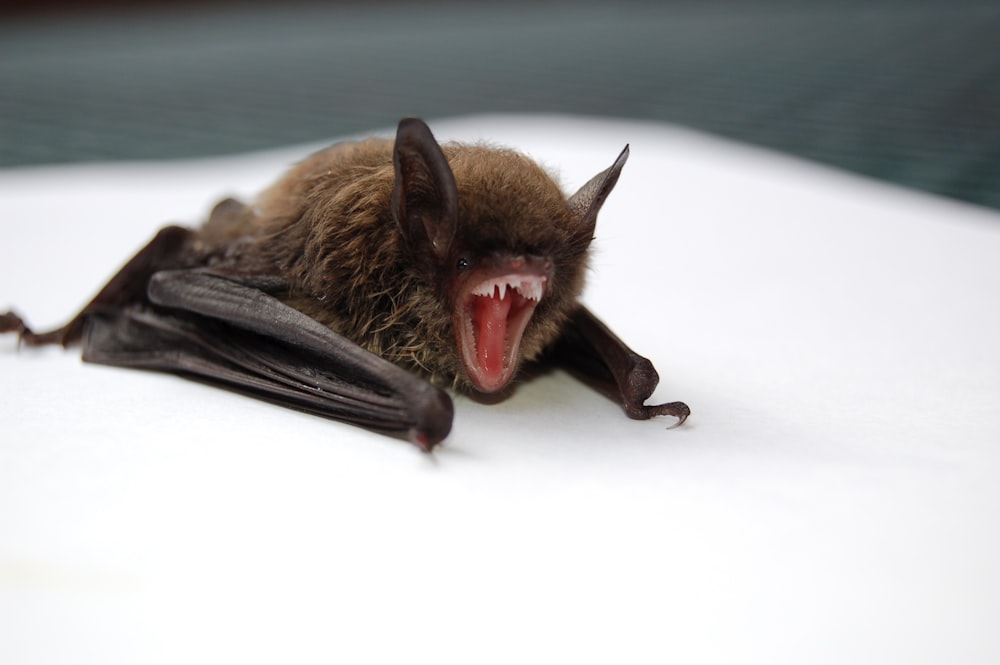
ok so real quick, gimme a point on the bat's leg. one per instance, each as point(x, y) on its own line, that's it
point(590, 349)
point(127, 286)
point(234, 334)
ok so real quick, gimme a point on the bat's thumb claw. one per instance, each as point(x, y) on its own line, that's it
point(678, 410)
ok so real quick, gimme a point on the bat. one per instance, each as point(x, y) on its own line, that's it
point(369, 279)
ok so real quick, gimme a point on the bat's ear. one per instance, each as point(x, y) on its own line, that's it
point(425, 198)
point(587, 202)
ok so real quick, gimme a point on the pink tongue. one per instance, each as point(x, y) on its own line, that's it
point(490, 318)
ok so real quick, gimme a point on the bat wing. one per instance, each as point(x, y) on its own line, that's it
point(228, 330)
point(589, 349)
point(235, 334)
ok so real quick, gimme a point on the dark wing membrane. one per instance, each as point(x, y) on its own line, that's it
point(157, 313)
point(236, 335)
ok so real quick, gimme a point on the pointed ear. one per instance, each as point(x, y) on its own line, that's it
point(587, 202)
point(425, 198)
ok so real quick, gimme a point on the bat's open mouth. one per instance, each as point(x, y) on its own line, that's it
point(491, 321)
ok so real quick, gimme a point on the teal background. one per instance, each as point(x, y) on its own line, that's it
point(902, 91)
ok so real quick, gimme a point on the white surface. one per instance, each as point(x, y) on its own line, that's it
point(834, 497)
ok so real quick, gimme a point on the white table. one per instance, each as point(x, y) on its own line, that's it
point(833, 498)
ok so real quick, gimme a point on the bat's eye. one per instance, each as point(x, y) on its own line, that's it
point(462, 264)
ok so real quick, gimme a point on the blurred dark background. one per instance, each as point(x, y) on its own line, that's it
point(908, 92)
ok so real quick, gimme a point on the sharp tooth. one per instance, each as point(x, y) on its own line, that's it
point(530, 289)
point(526, 289)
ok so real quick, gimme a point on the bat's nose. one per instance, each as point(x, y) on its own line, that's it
point(521, 263)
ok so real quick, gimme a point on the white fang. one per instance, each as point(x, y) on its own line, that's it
point(528, 286)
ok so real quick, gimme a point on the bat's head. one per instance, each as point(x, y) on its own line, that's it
point(508, 247)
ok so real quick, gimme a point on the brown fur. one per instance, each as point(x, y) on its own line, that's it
point(327, 229)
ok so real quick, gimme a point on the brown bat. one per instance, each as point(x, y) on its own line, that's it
point(368, 276)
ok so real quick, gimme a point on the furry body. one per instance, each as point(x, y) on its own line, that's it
point(328, 229)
